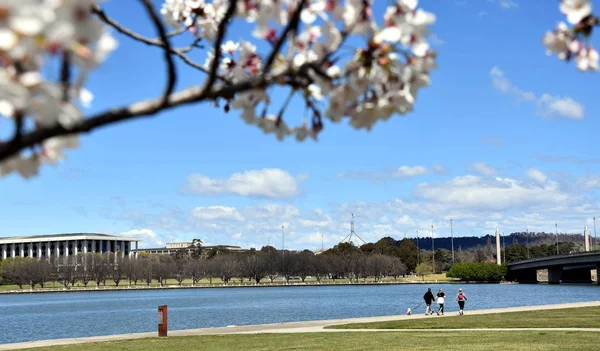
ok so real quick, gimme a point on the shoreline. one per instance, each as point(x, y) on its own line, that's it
point(267, 285)
point(314, 326)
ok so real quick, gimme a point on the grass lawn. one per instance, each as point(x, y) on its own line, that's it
point(587, 317)
point(459, 341)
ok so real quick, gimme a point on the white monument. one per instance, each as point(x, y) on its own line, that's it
point(586, 239)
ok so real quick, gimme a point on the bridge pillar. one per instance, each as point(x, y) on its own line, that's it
point(554, 275)
point(525, 276)
point(579, 275)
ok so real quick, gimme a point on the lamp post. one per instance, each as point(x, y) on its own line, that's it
point(432, 251)
point(452, 239)
point(595, 238)
point(556, 226)
point(418, 250)
point(527, 237)
point(283, 249)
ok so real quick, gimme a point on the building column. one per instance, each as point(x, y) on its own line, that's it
point(49, 251)
point(57, 249)
point(66, 249)
point(12, 250)
point(22, 250)
point(39, 249)
point(4, 249)
point(76, 249)
point(85, 244)
point(122, 248)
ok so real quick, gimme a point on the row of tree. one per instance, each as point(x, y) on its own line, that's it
point(94, 268)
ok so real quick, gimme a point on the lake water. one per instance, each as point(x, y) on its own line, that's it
point(66, 315)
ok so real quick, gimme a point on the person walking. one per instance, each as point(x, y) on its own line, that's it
point(429, 298)
point(461, 298)
point(441, 297)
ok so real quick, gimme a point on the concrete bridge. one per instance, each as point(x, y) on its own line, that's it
point(572, 268)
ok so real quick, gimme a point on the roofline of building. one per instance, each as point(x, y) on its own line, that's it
point(64, 237)
point(188, 248)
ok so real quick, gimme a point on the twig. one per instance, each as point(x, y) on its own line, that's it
point(292, 25)
point(171, 72)
point(221, 30)
point(65, 75)
point(144, 108)
point(153, 42)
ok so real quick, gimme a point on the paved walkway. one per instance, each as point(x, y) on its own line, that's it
point(314, 327)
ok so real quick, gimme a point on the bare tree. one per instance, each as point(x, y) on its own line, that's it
point(66, 270)
point(116, 267)
point(305, 264)
point(163, 268)
point(132, 270)
point(397, 268)
point(196, 269)
point(255, 266)
point(99, 268)
point(180, 265)
point(321, 267)
point(226, 266)
point(84, 272)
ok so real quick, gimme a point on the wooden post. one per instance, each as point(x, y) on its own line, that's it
point(162, 321)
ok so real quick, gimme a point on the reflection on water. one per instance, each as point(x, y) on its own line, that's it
point(66, 315)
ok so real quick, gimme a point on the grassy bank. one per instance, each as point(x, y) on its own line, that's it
point(563, 318)
point(461, 341)
point(217, 282)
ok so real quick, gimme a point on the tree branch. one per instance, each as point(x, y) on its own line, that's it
point(292, 25)
point(171, 72)
point(222, 29)
point(142, 39)
point(144, 108)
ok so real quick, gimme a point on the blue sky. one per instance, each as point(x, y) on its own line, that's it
point(505, 135)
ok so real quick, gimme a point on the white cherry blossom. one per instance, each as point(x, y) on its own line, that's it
point(587, 59)
point(576, 10)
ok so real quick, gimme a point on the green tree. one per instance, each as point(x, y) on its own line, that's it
point(407, 252)
point(423, 269)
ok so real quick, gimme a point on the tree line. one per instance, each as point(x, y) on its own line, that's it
point(384, 258)
point(268, 264)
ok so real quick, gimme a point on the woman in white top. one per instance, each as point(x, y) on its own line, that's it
point(441, 297)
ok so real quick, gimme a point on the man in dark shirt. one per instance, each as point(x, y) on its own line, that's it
point(428, 297)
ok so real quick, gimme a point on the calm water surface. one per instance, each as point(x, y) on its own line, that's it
point(67, 315)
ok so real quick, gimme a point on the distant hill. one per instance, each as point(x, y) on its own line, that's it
point(468, 242)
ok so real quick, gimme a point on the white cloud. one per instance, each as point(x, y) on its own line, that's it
point(401, 172)
point(148, 237)
point(536, 175)
point(434, 39)
point(237, 236)
point(589, 182)
point(556, 106)
point(408, 171)
point(506, 4)
point(548, 106)
point(270, 183)
point(484, 169)
point(472, 192)
point(217, 213)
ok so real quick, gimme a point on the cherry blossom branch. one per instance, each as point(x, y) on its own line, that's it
point(171, 72)
point(142, 39)
point(292, 26)
point(144, 108)
point(222, 29)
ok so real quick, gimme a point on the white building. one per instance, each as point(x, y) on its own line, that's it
point(58, 245)
point(172, 248)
